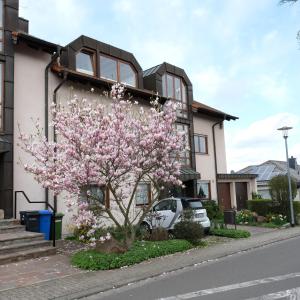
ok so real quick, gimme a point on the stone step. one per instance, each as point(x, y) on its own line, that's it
point(19, 237)
point(7, 222)
point(26, 254)
point(12, 228)
point(23, 246)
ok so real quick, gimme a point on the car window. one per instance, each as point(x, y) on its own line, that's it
point(191, 204)
point(195, 204)
point(166, 205)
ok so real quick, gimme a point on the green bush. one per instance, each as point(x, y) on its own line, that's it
point(212, 209)
point(231, 233)
point(141, 250)
point(261, 206)
point(188, 230)
point(244, 217)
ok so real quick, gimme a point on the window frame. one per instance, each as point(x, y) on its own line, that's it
point(105, 190)
point(149, 198)
point(2, 117)
point(183, 112)
point(118, 61)
point(189, 152)
point(206, 143)
point(92, 55)
point(209, 189)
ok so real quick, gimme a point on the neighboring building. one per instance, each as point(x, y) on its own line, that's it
point(269, 169)
point(37, 72)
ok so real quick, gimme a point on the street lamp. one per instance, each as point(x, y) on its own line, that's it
point(285, 130)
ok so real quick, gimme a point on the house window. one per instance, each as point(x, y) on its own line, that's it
point(201, 144)
point(185, 156)
point(85, 62)
point(127, 75)
point(116, 70)
point(203, 189)
point(143, 194)
point(97, 196)
point(174, 88)
point(1, 97)
point(108, 68)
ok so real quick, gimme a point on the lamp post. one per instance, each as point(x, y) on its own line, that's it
point(285, 130)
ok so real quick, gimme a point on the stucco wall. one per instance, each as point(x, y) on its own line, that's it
point(28, 104)
point(205, 163)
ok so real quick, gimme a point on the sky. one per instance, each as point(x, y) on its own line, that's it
point(242, 57)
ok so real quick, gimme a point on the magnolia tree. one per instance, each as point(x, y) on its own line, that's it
point(114, 147)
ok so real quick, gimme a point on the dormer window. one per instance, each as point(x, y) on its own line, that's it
point(117, 70)
point(174, 88)
point(85, 62)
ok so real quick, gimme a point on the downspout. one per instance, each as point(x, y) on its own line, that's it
point(53, 59)
point(54, 135)
point(215, 155)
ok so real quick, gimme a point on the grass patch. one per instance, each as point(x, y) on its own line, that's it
point(231, 233)
point(141, 250)
point(264, 224)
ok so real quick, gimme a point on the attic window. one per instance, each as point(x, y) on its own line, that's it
point(117, 70)
point(85, 62)
point(174, 88)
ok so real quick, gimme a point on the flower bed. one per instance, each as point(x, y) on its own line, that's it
point(141, 250)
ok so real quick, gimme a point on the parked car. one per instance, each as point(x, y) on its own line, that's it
point(167, 212)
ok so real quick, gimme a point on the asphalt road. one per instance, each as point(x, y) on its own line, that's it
point(271, 272)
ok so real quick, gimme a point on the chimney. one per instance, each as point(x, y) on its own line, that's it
point(292, 162)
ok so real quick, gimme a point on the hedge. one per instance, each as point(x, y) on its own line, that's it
point(266, 206)
point(261, 206)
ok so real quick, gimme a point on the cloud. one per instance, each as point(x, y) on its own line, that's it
point(59, 21)
point(261, 141)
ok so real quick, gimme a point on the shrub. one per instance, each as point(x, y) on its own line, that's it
point(277, 219)
point(188, 230)
point(244, 217)
point(141, 250)
point(213, 210)
point(231, 233)
point(279, 192)
point(261, 206)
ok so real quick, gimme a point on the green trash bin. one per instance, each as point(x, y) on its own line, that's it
point(58, 226)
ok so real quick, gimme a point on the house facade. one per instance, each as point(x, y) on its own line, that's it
point(36, 72)
point(271, 168)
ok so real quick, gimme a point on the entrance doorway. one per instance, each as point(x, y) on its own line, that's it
point(241, 195)
point(224, 195)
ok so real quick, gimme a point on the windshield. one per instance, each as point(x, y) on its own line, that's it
point(193, 204)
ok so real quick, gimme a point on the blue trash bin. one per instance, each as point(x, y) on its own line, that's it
point(45, 223)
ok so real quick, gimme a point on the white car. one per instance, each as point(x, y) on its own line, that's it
point(167, 212)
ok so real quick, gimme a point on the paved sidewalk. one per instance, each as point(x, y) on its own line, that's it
point(80, 284)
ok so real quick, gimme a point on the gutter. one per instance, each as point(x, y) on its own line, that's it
point(46, 108)
point(54, 135)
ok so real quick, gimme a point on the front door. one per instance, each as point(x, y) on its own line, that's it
point(224, 195)
point(241, 195)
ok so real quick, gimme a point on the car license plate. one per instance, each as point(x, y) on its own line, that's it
point(199, 216)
